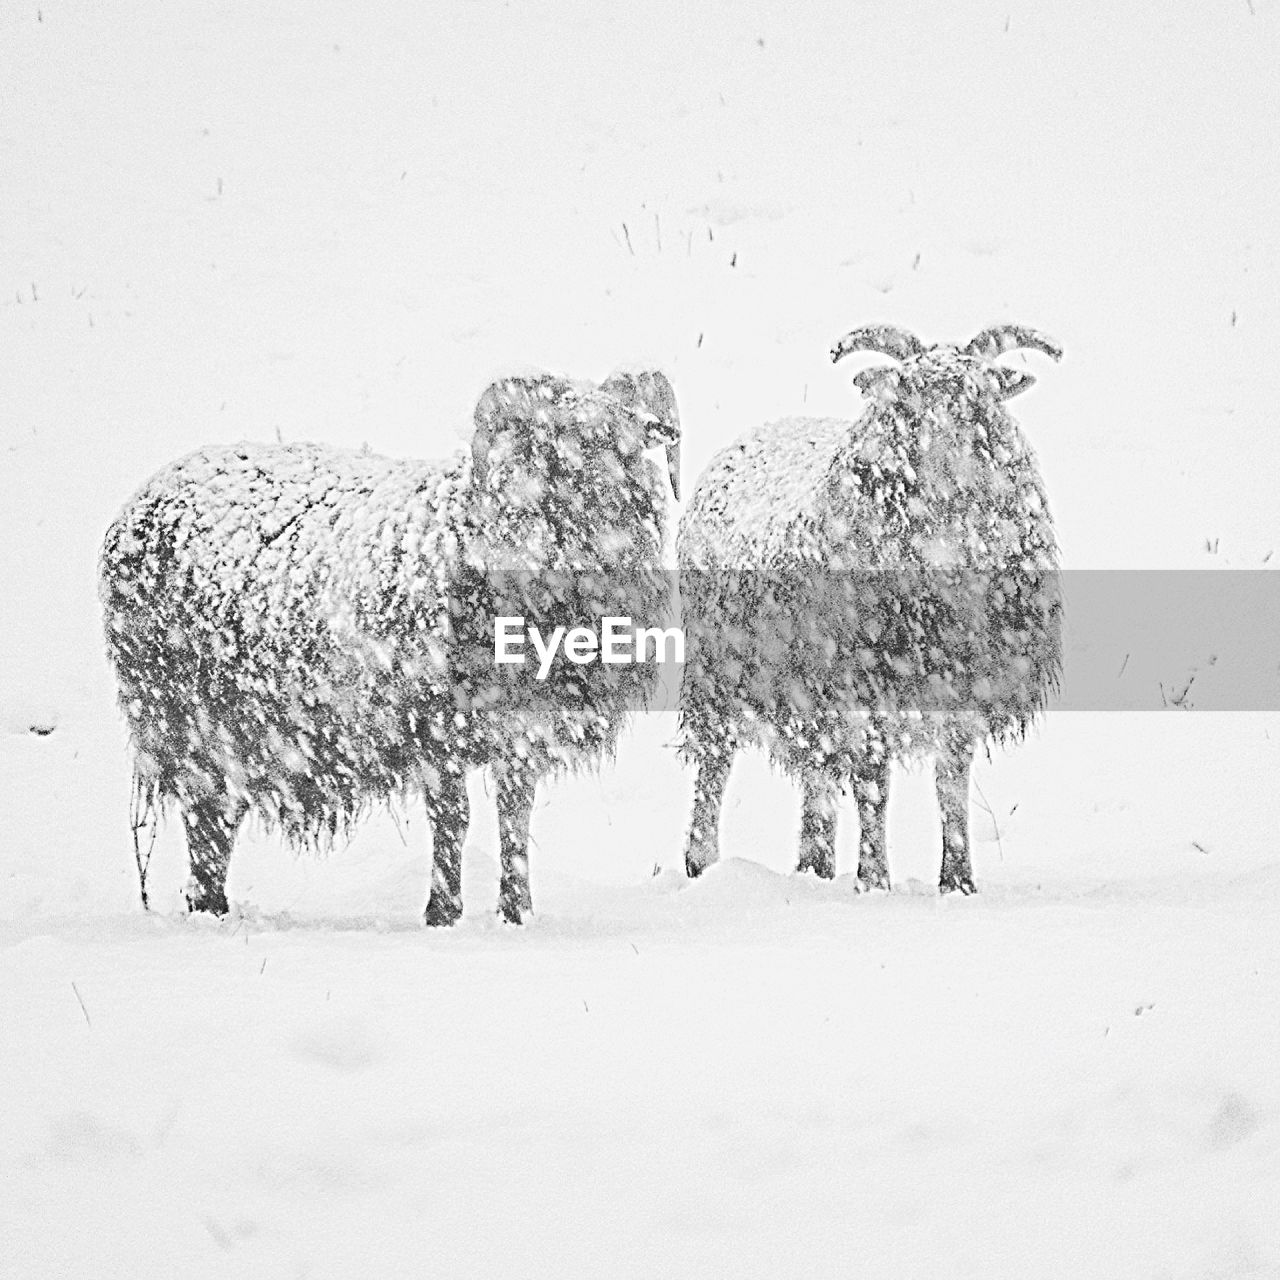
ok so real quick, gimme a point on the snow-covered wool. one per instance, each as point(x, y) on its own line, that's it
point(859, 592)
point(302, 632)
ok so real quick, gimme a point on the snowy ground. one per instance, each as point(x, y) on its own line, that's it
point(337, 222)
point(753, 1076)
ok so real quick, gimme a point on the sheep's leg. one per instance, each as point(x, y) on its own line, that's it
point(818, 826)
point(952, 770)
point(702, 846)
point(211, 827)
point(515, 807)
point(871, 790)
point(449, 813)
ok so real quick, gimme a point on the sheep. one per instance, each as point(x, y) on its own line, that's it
point(856, 593)
point(302, 632)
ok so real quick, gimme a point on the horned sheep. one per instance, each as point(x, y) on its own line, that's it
point(301, 632)
point(859, 592)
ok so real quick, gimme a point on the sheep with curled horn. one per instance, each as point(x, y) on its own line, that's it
point(860, 592)
point(301, 632)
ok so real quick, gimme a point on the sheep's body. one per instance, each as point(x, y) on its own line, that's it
point(273, 616)
point(859, 592)
point(303, 632)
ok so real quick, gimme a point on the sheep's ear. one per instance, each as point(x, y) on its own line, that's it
point(880, 382)
point(1011, 382)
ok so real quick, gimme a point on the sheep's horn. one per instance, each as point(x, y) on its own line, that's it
point(649, 395)
point(994, 342)
point(884, 338)
point(661, 397)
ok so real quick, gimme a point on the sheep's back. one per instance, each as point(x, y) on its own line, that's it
point(757, 494)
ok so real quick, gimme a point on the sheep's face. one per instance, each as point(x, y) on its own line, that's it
point(943, 380)
point(562, 475)
point(941, 413)
point(941, 473)
point(960, 383)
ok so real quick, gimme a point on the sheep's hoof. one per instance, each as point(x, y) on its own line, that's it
point(514, 905)
point(213, 901)
point(961, 882)
point(871, 880)
point(442, 911)
point(694, 867)
point(821, 865)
